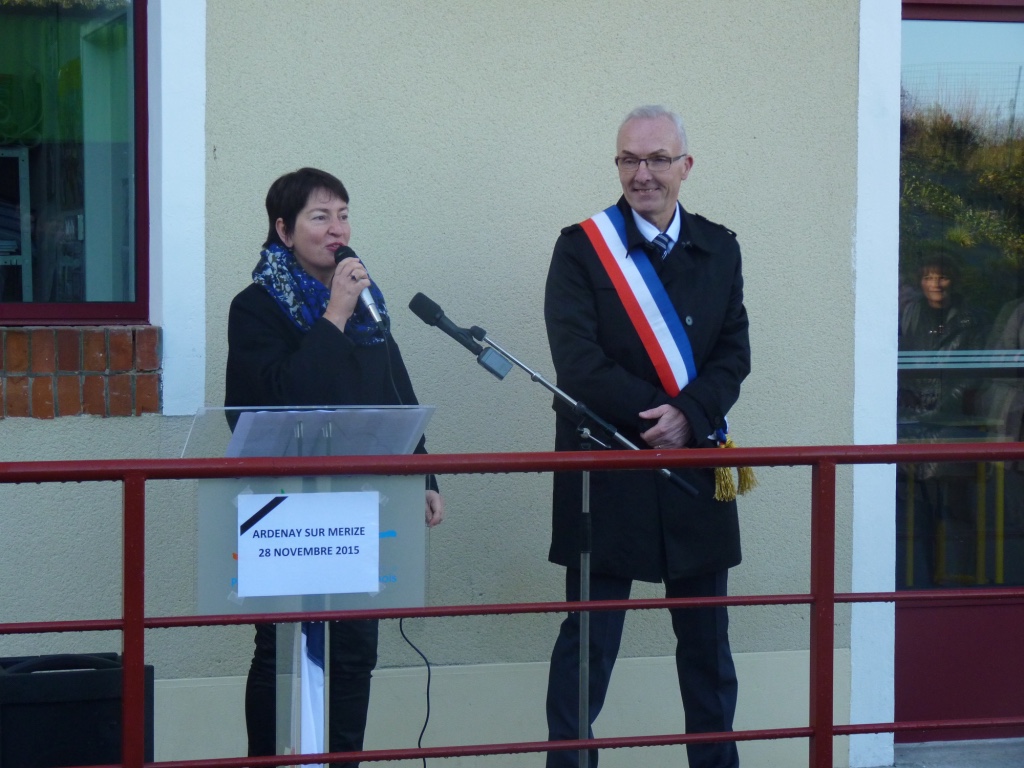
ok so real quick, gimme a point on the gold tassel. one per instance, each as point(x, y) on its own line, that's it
point(725, 487)
point(748, 481)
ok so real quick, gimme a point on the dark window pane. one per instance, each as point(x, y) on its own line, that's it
point(961, 314)
point(67, 197)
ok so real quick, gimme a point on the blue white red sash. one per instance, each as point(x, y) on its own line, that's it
point(645, 299)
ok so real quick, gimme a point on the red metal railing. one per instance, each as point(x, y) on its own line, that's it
point(822, 597)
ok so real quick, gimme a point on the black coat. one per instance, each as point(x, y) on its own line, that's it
point(938, 405)
point(271, 362)
point(924, 328)
point(644, 527)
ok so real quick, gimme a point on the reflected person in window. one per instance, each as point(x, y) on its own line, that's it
point(298, 335)
point(937, 319)
point(937, 405)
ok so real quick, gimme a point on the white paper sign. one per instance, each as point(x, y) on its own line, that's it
point(308, 543)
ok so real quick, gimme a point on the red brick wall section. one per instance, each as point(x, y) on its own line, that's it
point(48, 373)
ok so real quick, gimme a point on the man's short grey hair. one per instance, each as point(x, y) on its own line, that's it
point(656, 110)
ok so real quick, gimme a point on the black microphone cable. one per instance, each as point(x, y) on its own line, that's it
point(401, 621)
point(389, 369)
point(385, 328)
point(426, 663)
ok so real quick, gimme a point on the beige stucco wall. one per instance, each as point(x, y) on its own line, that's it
point(468, 133)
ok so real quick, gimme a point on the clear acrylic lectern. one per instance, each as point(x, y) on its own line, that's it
point(392, 507)
point(345, 431)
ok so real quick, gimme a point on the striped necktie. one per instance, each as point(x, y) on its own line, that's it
point(664, 243)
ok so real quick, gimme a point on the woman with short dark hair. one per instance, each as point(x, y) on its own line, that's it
point(299, 336)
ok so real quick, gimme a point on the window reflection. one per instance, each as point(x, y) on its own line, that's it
point(66, 151)
point(961, 329)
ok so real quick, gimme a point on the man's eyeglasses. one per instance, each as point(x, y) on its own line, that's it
point(658, 163)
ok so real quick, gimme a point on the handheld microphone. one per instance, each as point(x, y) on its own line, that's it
point(365, 298)
point(431, 314)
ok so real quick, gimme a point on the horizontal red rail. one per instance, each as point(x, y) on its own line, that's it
point(477, 463)
point(482, 609)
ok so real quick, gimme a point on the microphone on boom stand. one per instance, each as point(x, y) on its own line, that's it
point(499, 362)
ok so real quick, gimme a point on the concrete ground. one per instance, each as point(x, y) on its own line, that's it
point(997, 753)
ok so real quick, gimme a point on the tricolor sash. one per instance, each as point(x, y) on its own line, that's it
point(645, 299)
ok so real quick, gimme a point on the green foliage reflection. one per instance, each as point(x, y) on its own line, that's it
point(962, 188)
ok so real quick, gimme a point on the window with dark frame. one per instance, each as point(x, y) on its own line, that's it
point(73, 180)
point(74, 211)
point(961, 297)
point(961, 362)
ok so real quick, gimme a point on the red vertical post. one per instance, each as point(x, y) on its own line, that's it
point(823, 609)
point(133, 694)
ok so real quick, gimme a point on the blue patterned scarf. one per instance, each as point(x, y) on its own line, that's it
point(304, 298)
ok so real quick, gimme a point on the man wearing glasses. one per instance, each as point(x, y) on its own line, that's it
point(646, 323)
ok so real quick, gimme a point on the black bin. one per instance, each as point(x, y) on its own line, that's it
point(64, 710)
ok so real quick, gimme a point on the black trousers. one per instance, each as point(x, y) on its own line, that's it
point(352, 649)
point(707, 677)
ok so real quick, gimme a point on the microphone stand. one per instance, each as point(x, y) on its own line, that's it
point(586, 547)
point(579, 408)
point(587, 440)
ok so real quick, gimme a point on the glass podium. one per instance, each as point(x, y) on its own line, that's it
point(342, 542)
